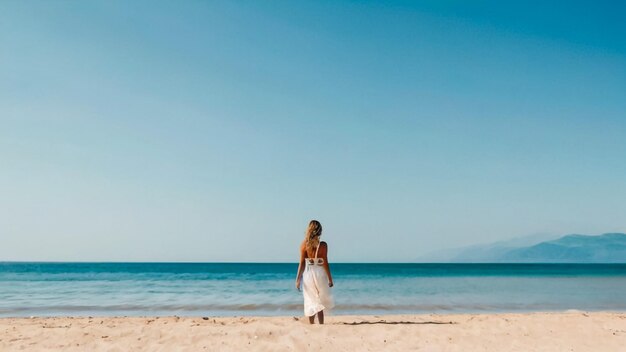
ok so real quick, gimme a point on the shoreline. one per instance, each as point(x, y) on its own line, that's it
point(331, 314)
point(537, 331)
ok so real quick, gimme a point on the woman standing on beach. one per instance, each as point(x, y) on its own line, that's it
point(314, 274)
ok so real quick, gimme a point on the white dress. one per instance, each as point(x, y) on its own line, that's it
point(317, 295)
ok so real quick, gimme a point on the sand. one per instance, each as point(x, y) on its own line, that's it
point(567, 331)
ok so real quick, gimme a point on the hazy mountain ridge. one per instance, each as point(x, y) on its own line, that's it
point(606, 248)
point(575, 248)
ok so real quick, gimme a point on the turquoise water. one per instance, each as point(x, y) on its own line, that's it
point(43, 289)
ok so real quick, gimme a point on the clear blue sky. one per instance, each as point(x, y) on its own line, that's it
point(214, 130)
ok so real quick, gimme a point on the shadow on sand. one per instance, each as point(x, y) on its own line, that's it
point(398, 322)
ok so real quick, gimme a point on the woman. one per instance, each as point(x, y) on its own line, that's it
point(314, 274)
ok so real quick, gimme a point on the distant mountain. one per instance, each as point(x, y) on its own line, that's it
point(606, 248)
point(483, 253)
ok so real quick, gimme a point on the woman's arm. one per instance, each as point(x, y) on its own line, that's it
point(324, 253)
point(300, 267)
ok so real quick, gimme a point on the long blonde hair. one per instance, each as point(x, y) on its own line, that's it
point(312, 235)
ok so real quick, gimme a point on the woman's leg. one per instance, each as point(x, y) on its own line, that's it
point(312, 319)
point(320, 317)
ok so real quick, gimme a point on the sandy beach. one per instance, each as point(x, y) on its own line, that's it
point(567, 331)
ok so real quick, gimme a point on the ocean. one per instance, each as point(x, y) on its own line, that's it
point(265, 289)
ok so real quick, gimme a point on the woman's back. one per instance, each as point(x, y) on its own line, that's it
point(316, 257)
